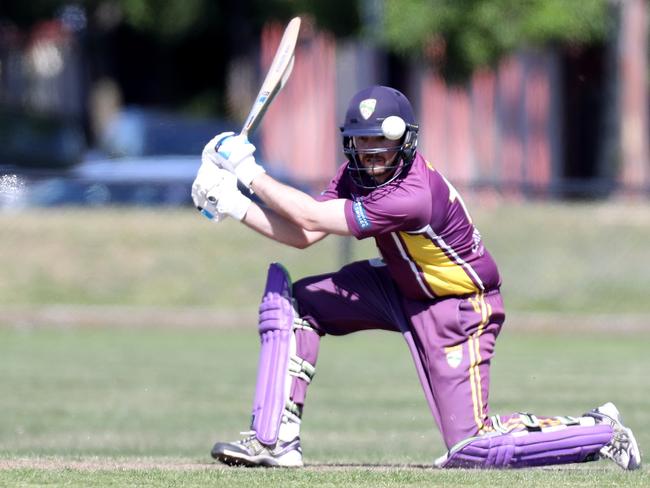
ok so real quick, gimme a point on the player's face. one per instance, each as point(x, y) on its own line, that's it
point(381, 164)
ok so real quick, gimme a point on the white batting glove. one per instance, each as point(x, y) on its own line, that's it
point(234, 153)
point(216, 195)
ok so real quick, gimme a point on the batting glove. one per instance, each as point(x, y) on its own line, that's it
point(234, 153)
point(216, 195)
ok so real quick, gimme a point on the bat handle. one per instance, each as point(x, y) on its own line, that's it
point(243, 132)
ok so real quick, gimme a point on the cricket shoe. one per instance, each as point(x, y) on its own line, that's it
point(250, 452)
point(622, 449)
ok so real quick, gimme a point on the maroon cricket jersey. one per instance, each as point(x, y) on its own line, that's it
point(423, 231)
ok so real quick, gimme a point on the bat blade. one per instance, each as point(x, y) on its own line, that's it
point(276, 77)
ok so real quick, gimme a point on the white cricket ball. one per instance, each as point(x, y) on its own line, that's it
point(393, 127)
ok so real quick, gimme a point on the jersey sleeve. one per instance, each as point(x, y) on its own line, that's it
point(336, 188)
point(404, 207)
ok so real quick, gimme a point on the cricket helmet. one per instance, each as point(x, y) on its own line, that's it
point(385, 112)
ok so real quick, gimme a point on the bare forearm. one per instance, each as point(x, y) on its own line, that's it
point(294, 204)
point(300, 208)
point(268, 223)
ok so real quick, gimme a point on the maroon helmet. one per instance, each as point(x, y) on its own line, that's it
point(367, 115)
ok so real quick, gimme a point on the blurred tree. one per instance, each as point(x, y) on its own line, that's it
point(168, 37)
point(169, 20)
point(24, 14)
point(460, 35)
point(175, 52)
point(341, 17)
point(175, 19)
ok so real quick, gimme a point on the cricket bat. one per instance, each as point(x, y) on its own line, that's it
point(276, 77)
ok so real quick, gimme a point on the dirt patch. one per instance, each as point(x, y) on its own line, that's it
point(99, 464)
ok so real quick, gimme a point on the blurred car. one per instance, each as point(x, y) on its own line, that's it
point(140, 132)
point(37, 141)
point(160, 180)
point(145, 157)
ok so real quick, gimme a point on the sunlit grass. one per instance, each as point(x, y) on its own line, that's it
point(553, 258)
point(116, 407)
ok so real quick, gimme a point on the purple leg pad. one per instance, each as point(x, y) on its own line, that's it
point(275, 328)
point(571, 444)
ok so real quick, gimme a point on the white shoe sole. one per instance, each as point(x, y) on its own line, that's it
point(291, 459)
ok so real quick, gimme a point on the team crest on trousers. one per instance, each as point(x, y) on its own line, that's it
point(367, 107)
point(454, 356)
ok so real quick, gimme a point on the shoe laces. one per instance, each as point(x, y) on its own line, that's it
point(619, 444)
point(248, 437)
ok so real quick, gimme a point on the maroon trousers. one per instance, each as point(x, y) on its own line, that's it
point(451, 339)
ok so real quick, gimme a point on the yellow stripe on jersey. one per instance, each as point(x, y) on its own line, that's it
point(444, 276)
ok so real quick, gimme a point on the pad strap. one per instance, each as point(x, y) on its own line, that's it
point(298, 367)
point(527, 421)
point(301, 369)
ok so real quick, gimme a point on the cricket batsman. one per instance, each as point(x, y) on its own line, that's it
point(435, 283)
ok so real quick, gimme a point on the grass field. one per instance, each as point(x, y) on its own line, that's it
point(142, 406)
point(553, 258)
point(120, 401)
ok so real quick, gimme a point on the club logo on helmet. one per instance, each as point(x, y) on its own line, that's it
point(367, 107)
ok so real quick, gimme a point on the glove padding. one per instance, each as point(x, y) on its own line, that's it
point(216, 195)
point(235, 154)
